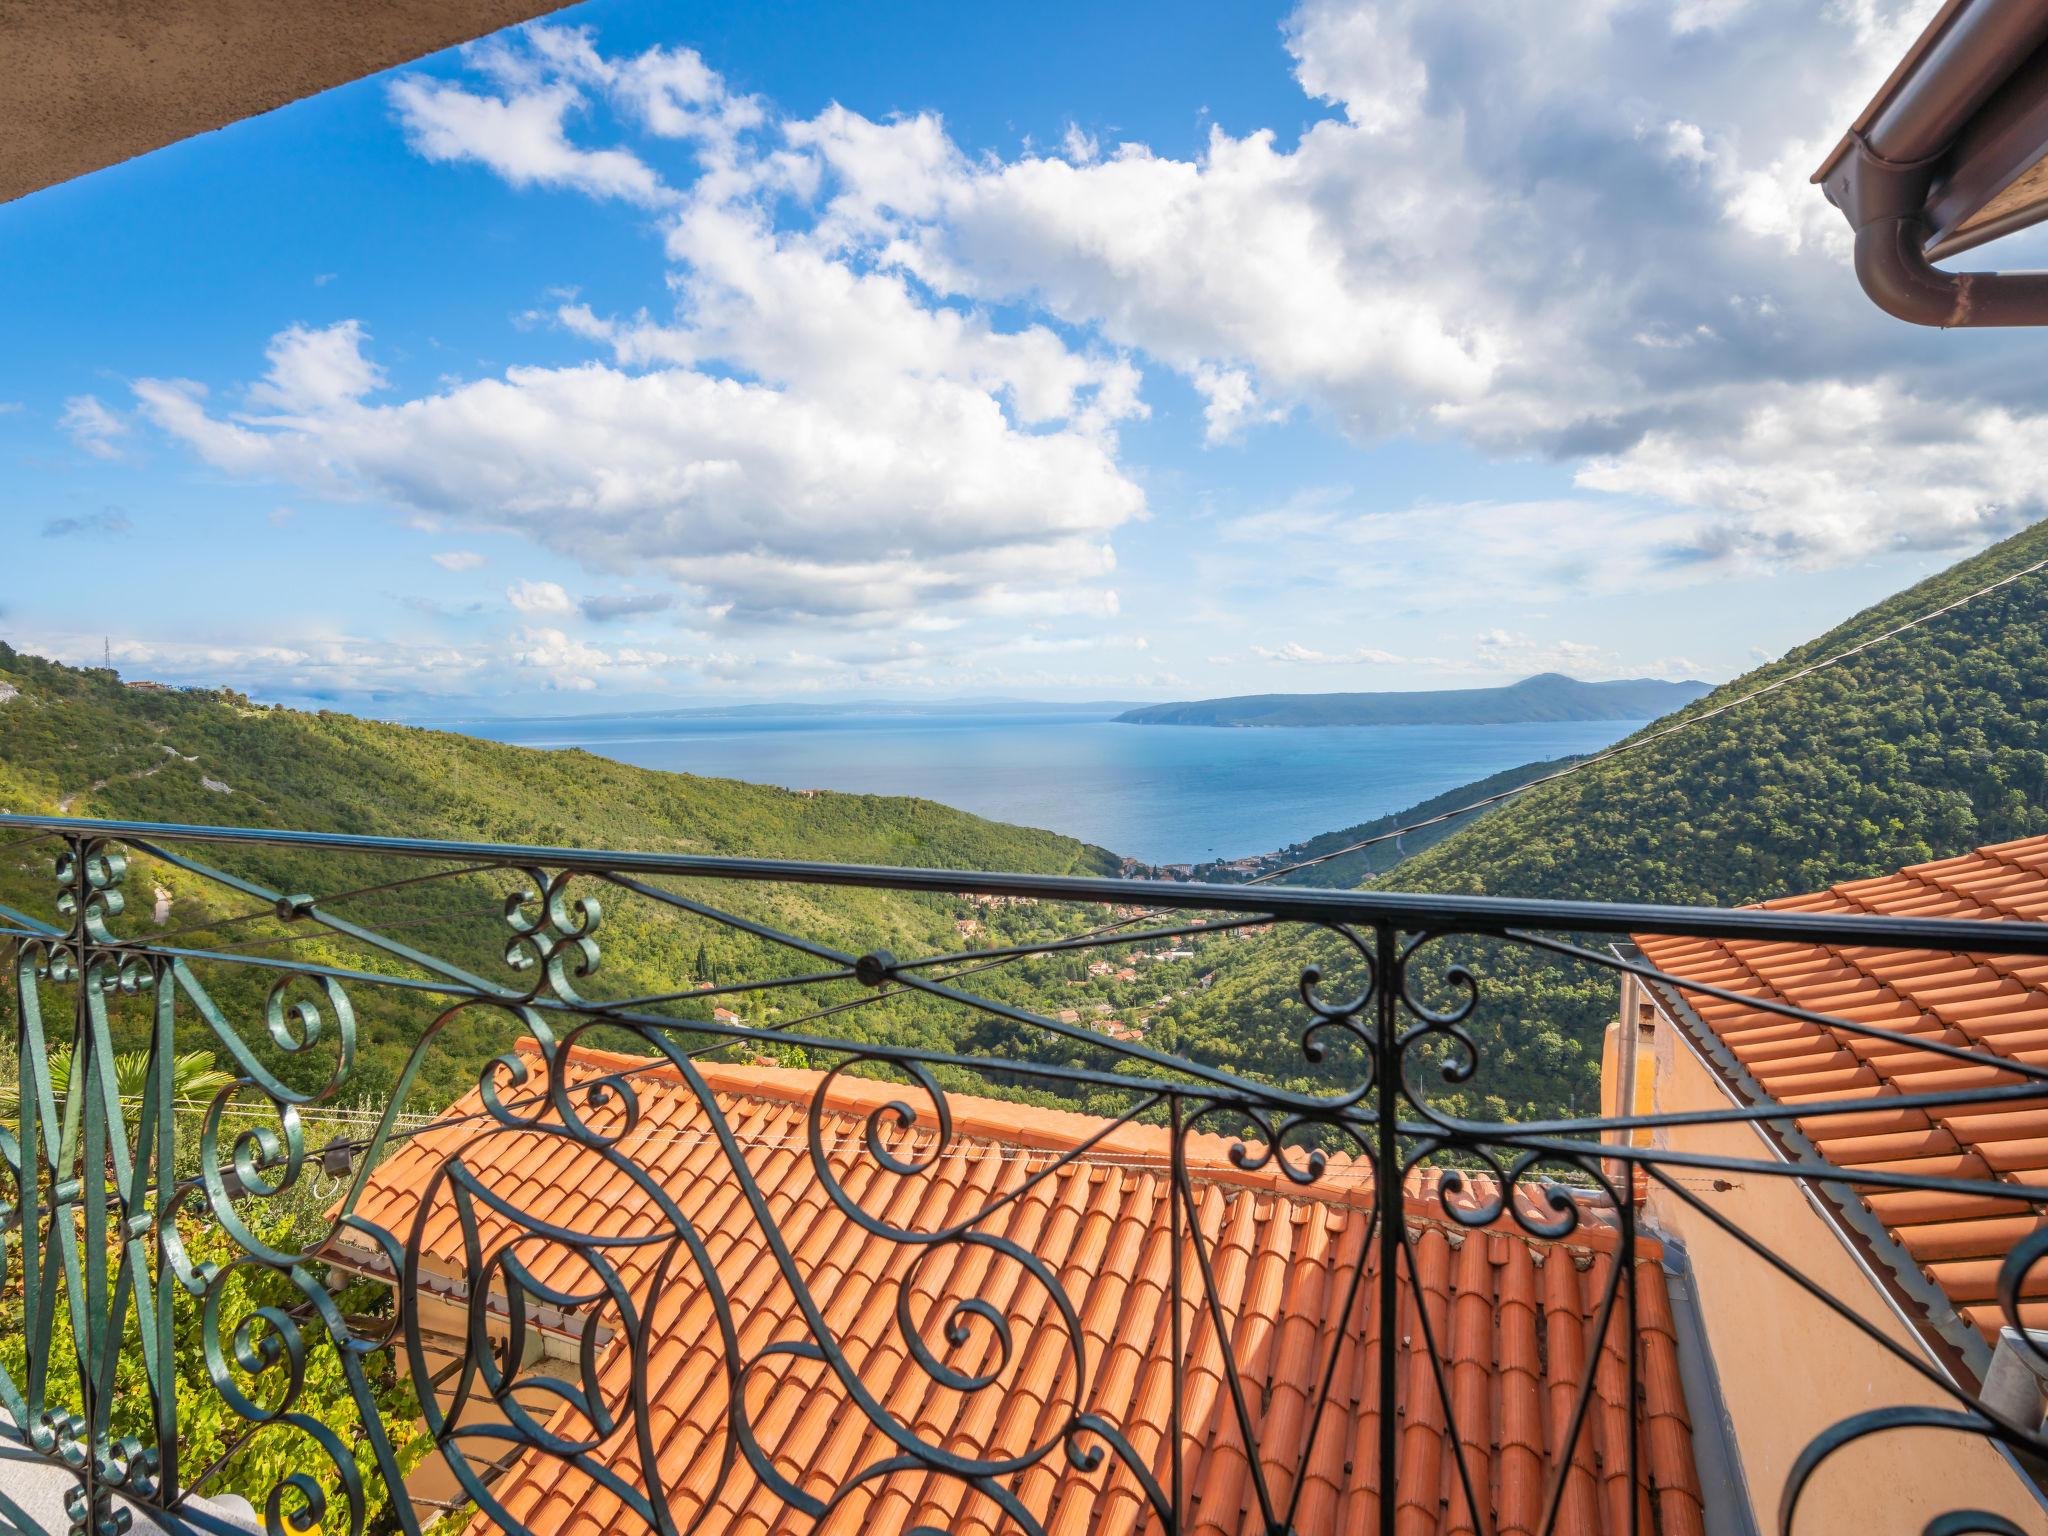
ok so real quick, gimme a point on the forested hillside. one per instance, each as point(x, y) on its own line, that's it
point(79, 742)
point(1923, 746)
point(1349, 870)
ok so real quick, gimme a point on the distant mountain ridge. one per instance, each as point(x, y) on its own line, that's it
point(1548, 696)
point(772, 709)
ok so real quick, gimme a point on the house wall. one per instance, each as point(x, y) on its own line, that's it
point(432, 1485)
point(1789, 1366)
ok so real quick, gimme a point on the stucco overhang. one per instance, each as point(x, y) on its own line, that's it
point(89, 83)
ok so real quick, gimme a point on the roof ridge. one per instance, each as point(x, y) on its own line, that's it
point(1129, 1145)
point(1996, 853)
point(2037, 841)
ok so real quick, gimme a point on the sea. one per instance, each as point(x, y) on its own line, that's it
point(1162, 794)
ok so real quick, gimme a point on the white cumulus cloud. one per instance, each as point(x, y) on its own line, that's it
point(539, 597)
point(522, 137)
point(887, 381)
point(771, 501)
point(807, 436)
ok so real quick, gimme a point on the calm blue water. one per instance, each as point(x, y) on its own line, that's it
point(1166, 794)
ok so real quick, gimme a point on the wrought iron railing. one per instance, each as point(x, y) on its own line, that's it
point(136, 1214)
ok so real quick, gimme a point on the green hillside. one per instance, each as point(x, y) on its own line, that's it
point(1926, 745)
point(1349, 870)
point(1546, 696)
point(79, 742)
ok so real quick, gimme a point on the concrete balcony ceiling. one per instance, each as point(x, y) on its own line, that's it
point(90, 83)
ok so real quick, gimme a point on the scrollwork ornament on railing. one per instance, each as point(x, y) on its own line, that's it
point(1511, 1177)
point(97, 1516)
point(257, 1366)
point(77, 1209)
point(43, 959)
point(981, 1350)
point(572, 1269)
point(1344, 1017)
point(960, 1300)
point(553, 935)
point(89, 875)
point(1438, 1037)
point(302, 1008)
point(1281, 1139)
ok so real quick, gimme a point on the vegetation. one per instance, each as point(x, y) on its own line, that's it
point(216, 1442)
point(79, 742)
point(1921, 747)
point(1924, 746)
point(1546, 696)
point(1350, 870)
point(194, 1077)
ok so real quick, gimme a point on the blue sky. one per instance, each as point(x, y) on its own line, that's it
point(658, 355)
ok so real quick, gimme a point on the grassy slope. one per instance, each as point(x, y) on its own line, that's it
point(1922, 747)
point(69, 729)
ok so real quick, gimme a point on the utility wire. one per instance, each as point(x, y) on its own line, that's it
point(271, 911)
point(276, 940)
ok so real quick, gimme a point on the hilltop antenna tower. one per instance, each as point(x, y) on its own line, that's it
point(107, 648)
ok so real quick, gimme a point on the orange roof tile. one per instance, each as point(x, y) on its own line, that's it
point(1513, 1319)
point(1994, 1006)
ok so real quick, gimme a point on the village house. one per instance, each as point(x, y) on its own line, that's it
point(1871, 1272)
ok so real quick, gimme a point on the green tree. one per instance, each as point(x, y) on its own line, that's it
point(193, 1076)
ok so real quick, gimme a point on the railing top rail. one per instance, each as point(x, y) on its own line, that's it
point(1414, 911)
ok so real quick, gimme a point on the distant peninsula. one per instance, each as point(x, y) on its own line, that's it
point(1547, 696)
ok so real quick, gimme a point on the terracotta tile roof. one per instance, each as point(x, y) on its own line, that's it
point(1995, 1006)
point(1513, 1317)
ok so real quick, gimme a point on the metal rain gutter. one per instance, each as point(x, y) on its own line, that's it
point(1717, 1449)
point(1882, 175)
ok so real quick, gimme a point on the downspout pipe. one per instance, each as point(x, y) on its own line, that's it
point(1882, 179)
point(1886, 202)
